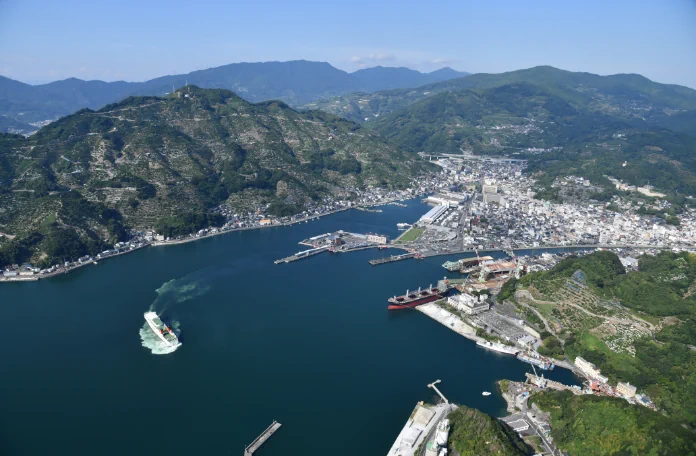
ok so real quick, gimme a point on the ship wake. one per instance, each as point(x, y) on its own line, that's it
point(177, 291)
point(150, 340)
point(171, 294)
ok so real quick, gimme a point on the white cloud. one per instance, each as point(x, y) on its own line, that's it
point(372, 60)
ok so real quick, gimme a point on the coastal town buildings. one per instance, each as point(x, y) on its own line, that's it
point(626, 390)
point(590, 370)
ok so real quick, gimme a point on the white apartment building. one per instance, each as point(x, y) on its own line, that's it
point(590, 370)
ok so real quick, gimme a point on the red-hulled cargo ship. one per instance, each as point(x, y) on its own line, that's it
point(416, 298)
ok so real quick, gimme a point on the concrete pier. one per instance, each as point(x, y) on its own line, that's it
point(552, 384)
point(391, 259)
point(448, 319)
point(261, 439)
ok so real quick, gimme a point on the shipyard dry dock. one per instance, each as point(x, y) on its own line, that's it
point(261, 439)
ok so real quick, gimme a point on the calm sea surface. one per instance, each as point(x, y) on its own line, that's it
point(310, 344)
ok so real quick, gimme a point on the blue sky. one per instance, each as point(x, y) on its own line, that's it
point(44, 40)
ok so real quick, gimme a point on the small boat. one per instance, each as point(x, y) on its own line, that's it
point(486, 393)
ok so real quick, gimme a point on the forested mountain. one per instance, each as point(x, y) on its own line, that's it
point(90, 175)
point(629, 96)
point(653, 351)
point(611, 128)
point(295, 82)
point(591, 425)
point(473, 432)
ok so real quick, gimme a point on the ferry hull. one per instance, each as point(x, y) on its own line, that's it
point(151, 323)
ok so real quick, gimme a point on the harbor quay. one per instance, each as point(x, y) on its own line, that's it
point(419, 429)
point(337, 242)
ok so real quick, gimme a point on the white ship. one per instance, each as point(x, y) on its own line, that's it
point(500, 348)
point(163, 331)
point(486, 393)
point(403, 226)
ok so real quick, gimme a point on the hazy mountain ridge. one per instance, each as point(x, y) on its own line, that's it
point(295, 82)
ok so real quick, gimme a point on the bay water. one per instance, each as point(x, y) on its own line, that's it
point(310, 344)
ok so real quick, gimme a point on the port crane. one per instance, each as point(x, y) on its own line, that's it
point(541, 380)
point(432, 385)
point(482, 267)
point(484, 270)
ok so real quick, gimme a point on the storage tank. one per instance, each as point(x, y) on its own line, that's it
point(442, 432)
point(431, 448)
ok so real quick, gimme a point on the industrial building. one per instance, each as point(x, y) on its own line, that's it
point(469, 304)
point(376, 238)
point(433, 214)
point(447, 198)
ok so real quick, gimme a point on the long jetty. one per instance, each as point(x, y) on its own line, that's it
point(261, 439)
point(303, 254)
point(391, 259)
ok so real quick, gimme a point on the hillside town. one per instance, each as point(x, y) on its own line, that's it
point(484, 204)
point(503, 211)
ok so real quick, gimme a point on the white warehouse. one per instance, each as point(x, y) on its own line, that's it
point(433, 214)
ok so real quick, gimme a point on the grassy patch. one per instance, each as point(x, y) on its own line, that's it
point(545, 309)
point(411, 235)
point(48, 221)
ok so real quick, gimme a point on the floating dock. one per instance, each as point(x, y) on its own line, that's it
point(391, 259)
point(261, 439)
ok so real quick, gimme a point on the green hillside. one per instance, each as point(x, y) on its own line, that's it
point(637, 326)
point(136, 164)
point(504, 119)
point(629, 96)
point(473, 433)
point(562, 131)
point(591, 425)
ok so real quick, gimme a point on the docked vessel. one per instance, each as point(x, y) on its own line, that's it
point(163, 331)
point(473, 264)
point(452, 265)
point(416, 298)
point(496, 346)
point(403, 226)
point(537, 360)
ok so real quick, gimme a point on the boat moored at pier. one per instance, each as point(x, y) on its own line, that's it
point(416, 298)
point(539, 361)
point(498, 347)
